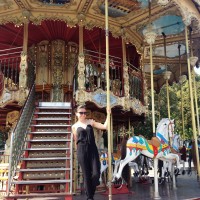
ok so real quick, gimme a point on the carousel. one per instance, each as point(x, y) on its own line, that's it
point(112, 54)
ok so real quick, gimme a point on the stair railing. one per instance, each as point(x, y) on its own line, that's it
point(19, 135)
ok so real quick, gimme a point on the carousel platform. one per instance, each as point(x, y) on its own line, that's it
point(188, 188)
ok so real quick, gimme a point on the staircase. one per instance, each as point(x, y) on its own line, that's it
point(46, 167)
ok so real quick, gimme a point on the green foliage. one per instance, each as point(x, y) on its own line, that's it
point(177, 100)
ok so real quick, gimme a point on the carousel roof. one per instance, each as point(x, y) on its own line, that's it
point(60, 19)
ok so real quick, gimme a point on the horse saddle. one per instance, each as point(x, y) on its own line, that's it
point(154, 142)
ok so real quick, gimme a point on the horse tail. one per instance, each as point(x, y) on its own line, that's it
point(125, 172)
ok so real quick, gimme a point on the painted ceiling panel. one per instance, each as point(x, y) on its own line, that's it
point(168, 24)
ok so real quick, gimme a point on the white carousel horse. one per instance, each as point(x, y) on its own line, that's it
point(167, 164)
point(156, 148)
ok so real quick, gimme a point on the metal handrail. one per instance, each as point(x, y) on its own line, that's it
point(19, 134)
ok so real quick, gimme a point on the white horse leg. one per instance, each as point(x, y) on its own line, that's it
point(173, 177)
point(156, 193)
point(127, 159)
point(172, 157)
point(117, 162)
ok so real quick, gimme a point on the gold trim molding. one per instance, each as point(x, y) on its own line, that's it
point(99, 98)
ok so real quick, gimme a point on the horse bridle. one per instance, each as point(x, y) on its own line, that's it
point(170, 125)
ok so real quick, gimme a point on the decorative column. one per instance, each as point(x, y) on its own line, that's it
point(150, 37)
point(192, 101)
point(81, 58)
point(23, 63)
point(80, 96)
point(125, 67)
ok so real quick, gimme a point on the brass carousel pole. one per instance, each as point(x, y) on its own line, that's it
point(192, 102)
point(166, 76)
point(193, 60)
point(181, 82)
point(150, 37)
point(108, 102)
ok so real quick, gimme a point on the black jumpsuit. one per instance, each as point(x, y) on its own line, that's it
point(88, 159)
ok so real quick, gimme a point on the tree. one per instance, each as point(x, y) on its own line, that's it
point(175, 109)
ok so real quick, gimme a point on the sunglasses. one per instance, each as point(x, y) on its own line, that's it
point(82, 113)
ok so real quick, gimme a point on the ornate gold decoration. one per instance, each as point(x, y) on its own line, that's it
point(72, 57)
point(81, 97)
point(167, 75)
point(126, 80)
point(6, 4)
point(116, 85)
point(149, 34)
point(193, 60)
point(23, 69)
point(57, 66)
point(163, 2)
point(12, 117)
point(126, 103)
point(81, 72)
point(42, 62)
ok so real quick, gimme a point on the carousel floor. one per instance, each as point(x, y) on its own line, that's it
point(187, 188)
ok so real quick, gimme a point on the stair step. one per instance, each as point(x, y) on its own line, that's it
point(50, 125)
point(49, 140)
point(53, 108)
point(52, 113)
point(43, 169)
point(54, 104)
point(46, 149)
point(37, 195)
point(52, 119)
point(40, 182)
point(49, 158)
point(49, 132)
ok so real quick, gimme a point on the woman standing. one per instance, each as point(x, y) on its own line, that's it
point(87, 153)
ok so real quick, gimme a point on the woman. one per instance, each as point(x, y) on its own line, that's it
point(87, 153)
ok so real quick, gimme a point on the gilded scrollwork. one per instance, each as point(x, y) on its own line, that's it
point(163, 2)
point(6, 4)
point(81, 72)
point(80, 97)
point(126, 80)
point(58, 47)
point(23, 69)
point(116, 85)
